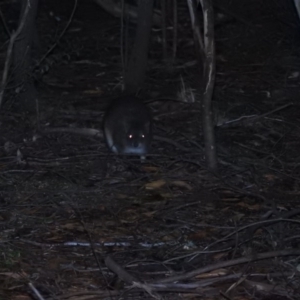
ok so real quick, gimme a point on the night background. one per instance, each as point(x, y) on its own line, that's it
point(80, 222)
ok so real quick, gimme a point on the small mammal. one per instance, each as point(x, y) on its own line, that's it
point(128, 126)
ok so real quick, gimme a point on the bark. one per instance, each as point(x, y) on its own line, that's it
point(22, 58)
point(209, 80)
point(136, 70)
point(205, 51)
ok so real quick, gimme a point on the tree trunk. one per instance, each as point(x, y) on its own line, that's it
point(22, 58)
point(136, 69)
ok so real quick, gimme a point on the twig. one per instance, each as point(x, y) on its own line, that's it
point(229, 263)
point(169, 141)
point(256, 225)
point(125, 276)
point(9, 51)
point(36, 292)
point(104, 244)
point(116, 268)
point(91, 132)
point(254, 118)
point(270, 112)
point(61, 35)
point(92, 245)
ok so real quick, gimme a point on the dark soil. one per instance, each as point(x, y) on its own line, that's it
point(78, 221)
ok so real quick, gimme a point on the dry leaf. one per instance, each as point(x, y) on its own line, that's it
point(181, 184)
point(250, 207)
point(155, 184)
point(237, 217)
point(54, 264)
point(154, 197)
point(150, 169)
point(166, 195)
point(218, 256)
point(121, 196)
point(225, 209)
point(93, 92)
point(129, 216)
point(201, 234)
point(226, 192)
point(213, 274)
point(12, 275)
point(270, 177)
point(72, 226)
point(149, 214)
point(281, 208)
point(258, 232)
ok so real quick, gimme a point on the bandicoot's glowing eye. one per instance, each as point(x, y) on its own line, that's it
point(143, 136)
point(130, 136)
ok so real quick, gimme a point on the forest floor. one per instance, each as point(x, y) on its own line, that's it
point(78, 222)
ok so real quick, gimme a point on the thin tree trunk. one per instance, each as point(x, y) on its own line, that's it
point(22, 59)
point(205, 51)
point(209, 80)
point(136, 70)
